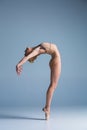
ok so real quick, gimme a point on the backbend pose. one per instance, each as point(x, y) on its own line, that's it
point(55, 67)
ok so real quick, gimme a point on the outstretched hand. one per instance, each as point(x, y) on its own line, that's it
point(18, 69)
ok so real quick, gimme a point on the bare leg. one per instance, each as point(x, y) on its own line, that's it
point(55, 73)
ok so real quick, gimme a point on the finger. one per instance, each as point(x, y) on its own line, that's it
point(20, 69)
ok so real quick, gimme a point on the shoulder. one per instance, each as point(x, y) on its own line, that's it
point(39, 49)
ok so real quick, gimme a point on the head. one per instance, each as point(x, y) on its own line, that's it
point(27, 52)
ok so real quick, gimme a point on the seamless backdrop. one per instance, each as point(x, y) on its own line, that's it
point(29, 22)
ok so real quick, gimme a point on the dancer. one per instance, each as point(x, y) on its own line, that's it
point(55, 67)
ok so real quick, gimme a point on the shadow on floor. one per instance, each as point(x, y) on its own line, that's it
point(3, 116)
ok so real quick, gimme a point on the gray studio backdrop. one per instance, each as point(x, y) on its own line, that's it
point(29, 22)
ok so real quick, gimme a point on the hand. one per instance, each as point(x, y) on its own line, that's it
point(18, 69)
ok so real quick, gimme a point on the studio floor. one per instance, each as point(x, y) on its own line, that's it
point(33, 119)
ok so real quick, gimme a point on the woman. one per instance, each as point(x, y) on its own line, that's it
point(55, 67)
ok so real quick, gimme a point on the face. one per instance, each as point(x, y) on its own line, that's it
point(31, 60)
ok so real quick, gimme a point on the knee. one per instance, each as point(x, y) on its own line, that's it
point(53, 85)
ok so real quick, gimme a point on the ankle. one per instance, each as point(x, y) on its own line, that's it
point(47, 108)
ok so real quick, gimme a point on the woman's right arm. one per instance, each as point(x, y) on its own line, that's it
point(35, 52)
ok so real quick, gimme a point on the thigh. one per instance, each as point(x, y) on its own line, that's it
point(55, 73)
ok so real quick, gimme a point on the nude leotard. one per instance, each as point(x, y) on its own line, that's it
point(47, 47)
point(52, 50)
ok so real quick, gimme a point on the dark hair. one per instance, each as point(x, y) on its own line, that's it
point(27, 52)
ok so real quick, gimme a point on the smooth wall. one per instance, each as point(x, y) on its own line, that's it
point(29, 22)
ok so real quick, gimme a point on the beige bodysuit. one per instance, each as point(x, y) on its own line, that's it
point(52, 50)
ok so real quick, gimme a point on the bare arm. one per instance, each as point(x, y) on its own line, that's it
point(35, 52)
point(32, 54)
